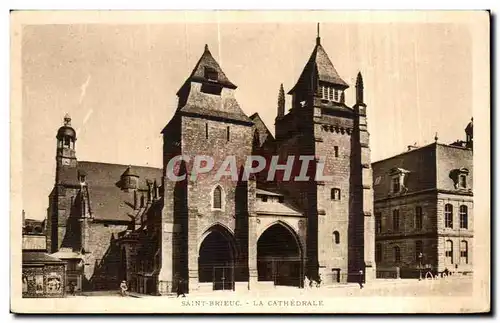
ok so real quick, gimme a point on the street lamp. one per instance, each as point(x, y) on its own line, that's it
point(420, 255)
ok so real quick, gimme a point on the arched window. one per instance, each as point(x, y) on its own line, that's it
point(418, 218)
point(395, 220)
point(335, 194)
point(397, 254)
point(448, 216)
point(464, 252)
point(336, 237)
point(217, 198)
point(449, 251)
point(464, 217)
point(378, 253)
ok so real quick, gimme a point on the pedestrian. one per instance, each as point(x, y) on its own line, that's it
point(360, 278)
point(180, 288)
point(123, 288)
point(72, 288)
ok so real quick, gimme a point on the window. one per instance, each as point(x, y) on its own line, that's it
point(378, 252)
point(323, 89)
point(336, 95)
point(330, 94)
point(395, 184)
point(66, 141)
point(448, 216)
point(449, 252)
point(462, 181)
point(418, 249)
point(211, 74)
point(395, 220)
point(217, 198)
point(464, 252)
point(418, 218)
point(336, 150)
point(336, 237)
point(397, 254)
point(264, 198)
point(335, 194)
point(227, 134)
point(206, 130)
point(464, 217)
point(378, 223)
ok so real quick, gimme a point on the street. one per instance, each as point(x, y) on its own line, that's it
point(452, 286)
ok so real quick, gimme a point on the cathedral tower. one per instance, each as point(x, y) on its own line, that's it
point(202, 214)
point(322, 126)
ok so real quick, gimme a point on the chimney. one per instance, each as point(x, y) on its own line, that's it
point(411, 147)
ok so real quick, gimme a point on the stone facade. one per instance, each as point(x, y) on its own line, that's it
point(424, 208)
point(228, 233)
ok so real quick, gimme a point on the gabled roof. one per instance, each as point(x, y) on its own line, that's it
point(107, 201)
point(261, 128)
point(208, 61)
point(319, 65)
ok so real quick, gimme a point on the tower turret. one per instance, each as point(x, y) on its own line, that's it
point(469, 134)
point(129, 180)
point(66, 138)
point(281, 102)
point(359, 88)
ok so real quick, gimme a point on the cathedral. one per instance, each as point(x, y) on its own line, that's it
point(134, 224)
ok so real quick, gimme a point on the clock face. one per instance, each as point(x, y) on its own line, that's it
point(65, 161)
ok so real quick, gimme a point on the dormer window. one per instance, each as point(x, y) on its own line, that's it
point(395, 184)
point(329, 93)
point(398, 180)
point(211, 74)
point(459, 177)
point(462, 182)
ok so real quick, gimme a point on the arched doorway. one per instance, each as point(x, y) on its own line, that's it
point(216, 258)
point(279, 256)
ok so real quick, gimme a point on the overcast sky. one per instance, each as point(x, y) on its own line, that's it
point(118, 83)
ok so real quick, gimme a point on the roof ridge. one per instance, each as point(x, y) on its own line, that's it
point(116, 164)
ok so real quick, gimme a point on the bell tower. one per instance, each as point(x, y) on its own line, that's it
point(66, 138)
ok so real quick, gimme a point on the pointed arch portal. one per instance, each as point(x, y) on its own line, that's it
point(279, 256)
point(216, 259)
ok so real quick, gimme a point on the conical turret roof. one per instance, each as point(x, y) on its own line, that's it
point(208, 70)
point(319, 65)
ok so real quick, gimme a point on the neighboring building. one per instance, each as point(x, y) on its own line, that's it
point(225, 234)
point(424, 208)
point(42, 275)
point(89, 205)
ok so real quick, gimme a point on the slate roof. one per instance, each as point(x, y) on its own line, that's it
point(107, 200)
point(262, 129)
point(214, 106)
point(320, 65)
point(198, 73)
point(223, 106)
point(37, 257)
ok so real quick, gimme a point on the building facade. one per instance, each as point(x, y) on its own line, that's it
point(219, 232)
point(424, 208)
point(42, 274)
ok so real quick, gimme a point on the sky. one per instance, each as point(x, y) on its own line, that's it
point(118, 83)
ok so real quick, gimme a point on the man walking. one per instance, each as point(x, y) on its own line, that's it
point(123, 288)
point(180, 288)
point(360, 278)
